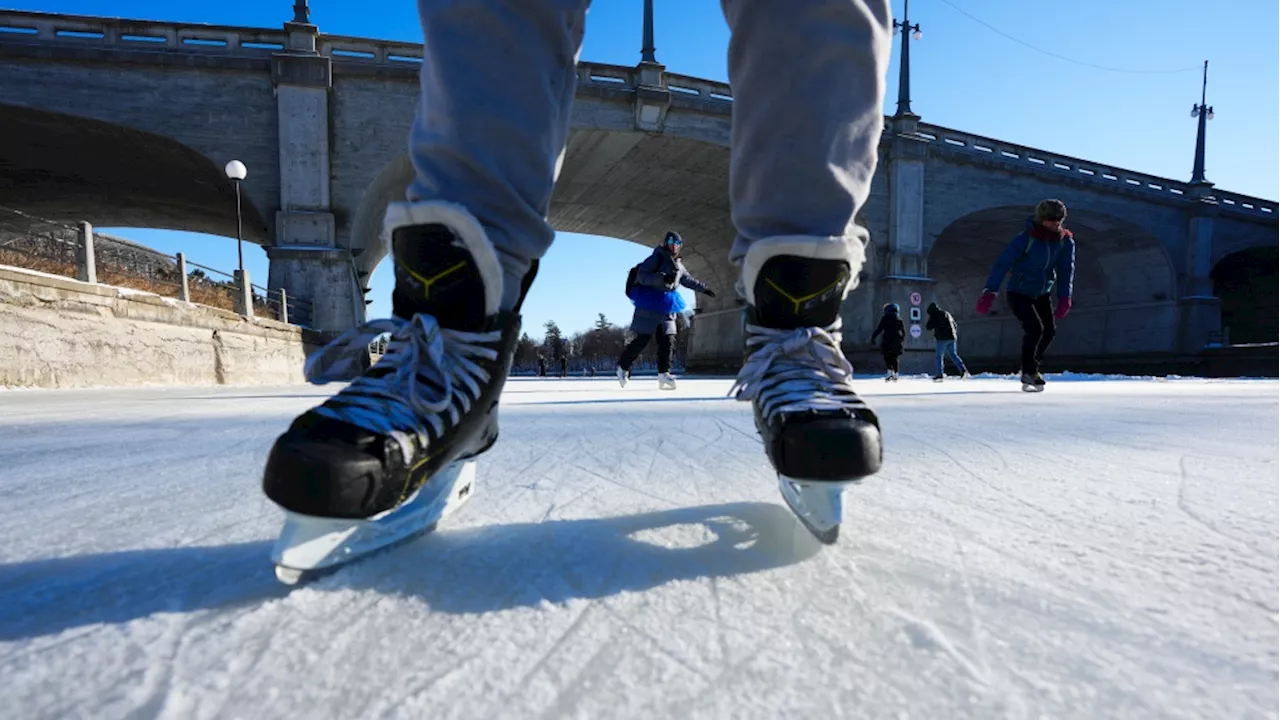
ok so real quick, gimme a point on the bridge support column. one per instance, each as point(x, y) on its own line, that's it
point(652, 97)
point(1199, 311)
point(321, 281)
point(906, 266)
point(305, 261)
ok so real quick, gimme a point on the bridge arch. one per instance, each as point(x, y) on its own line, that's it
point(1246, 282)
point(596, 194)
point(1125, 292)
point(69, 168)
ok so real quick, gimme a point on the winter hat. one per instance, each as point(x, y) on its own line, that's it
point(891, 308)
point(1051, 210)
point(933, 308)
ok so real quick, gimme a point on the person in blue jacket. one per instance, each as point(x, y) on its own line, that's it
point(657, 303)
point(1040, 260)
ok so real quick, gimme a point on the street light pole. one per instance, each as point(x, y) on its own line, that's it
point(647, 52)
point(237, 172)
point(1204, 113)
point(904, 67)
point(239, 231)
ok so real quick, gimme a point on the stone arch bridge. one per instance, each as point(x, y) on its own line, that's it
point(129, 122)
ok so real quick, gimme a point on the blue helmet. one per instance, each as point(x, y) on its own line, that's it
point(891, 308)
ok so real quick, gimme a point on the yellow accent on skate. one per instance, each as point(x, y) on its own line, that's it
point(428, 282)
point(797, 301)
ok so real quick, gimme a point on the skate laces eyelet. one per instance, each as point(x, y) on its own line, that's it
point(427, 375)
point(796, 370)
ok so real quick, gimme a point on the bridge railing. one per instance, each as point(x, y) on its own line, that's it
point(1094, 173)
point(381, 52)
point(140, 34)
point(75, 251)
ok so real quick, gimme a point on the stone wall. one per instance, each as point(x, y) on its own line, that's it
point(59, 333)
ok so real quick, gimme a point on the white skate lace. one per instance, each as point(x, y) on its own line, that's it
point(796, 371)
point(426, 374)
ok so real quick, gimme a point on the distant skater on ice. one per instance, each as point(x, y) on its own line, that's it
point(892, 333)
point(1039, 260)
point(395, 448)
point(652, 288)
point(945, 337)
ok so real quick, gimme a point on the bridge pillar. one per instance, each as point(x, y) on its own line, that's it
point(1199, 311)
point(305, 260)
point(652, 97)
point(906, 267)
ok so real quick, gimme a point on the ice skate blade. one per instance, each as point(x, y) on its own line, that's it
point(308, 544)
point(817, 504)
point(1032, 388)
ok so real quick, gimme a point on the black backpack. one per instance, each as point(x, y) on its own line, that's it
point(631, 279)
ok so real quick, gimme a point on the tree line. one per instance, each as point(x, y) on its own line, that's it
point(598, 347)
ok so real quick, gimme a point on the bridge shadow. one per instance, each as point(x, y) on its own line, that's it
point(468, 571)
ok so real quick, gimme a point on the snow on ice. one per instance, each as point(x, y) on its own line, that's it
point(1104, 549)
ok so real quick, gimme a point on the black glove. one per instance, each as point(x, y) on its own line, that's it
point(669, 279)
point(709, 292)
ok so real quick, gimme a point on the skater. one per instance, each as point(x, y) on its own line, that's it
point(657, 304)
point(893, 333)
point(806, 124)
point(1039, 260)
point(542, 366)
point(564, 366)
point(945, 336)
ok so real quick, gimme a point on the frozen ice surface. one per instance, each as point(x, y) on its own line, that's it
point(1103, 549)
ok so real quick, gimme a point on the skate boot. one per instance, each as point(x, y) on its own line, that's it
point(623, 376)
point(430, 402)
point(818, 434)
point(888, 375)
point(939, 378)
point(666, 381)
point(1032, 382)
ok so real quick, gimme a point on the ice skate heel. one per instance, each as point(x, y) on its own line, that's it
point(819, 506)
point(310, 547)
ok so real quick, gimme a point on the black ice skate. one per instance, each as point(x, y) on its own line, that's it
point(819, 435)
point(389, 455)
point(1032, 382)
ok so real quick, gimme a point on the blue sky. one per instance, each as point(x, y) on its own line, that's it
point(1003, 82)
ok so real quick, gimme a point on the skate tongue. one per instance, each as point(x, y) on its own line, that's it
point(436, 275)
point(795, 292)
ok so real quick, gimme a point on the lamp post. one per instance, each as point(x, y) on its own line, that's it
point(236, 171)
point(1203, 112)
point(904, 67)
point(647, 52)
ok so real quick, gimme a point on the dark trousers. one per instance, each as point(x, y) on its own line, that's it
point(890, 360)
point(1036, 316)
point(637, 346)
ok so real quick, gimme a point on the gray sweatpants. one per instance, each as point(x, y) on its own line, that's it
point(498, 81)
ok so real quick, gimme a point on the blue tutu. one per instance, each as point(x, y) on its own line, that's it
point(662, 302)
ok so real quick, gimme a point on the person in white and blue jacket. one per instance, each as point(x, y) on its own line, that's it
point(1040, 260)
point(657, 303)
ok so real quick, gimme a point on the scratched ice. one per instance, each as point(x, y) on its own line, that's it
point(1105, 549)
